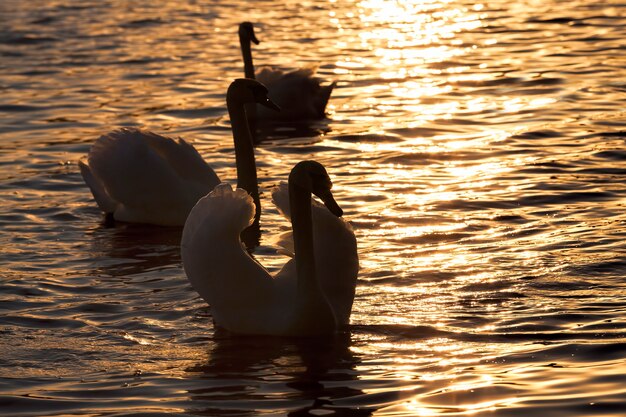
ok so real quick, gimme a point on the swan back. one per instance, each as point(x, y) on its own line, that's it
point(147, 178)
point(299, 93)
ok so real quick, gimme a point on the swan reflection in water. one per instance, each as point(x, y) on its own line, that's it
point(317, 372)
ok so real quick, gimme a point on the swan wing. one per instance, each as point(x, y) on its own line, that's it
point(336, 254)
point(299, 93)
point(105, 202)
point(152, 178)
point(241, 292)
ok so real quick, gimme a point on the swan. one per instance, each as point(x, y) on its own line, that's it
point(244, 297)
point(299, 93)
point(139, 176)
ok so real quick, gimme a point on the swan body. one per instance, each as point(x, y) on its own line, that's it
point(244, 297)
point(139, 176)
point(142, 177)
point(299, 92)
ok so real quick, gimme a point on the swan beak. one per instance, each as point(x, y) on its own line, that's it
point(254, 39)
point(270, 104)
point(329, 201)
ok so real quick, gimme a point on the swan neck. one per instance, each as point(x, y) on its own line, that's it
point(315, 315)
point(246, 52)
point(244, 154)
point(302, 224)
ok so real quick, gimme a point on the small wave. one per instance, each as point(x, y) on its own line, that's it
point(538, 134)
point(565, 198)
point(613, 155)
point(142, 23)
point(26, 39)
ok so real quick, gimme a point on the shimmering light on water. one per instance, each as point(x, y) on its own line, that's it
point(478, 149)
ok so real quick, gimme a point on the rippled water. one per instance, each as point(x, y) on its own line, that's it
point(478, 149)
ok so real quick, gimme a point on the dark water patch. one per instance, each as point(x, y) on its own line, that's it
point(61, 120)
point(510, 218)
point(573, 352)
point(565, 198)
point(533, 92)
point(619, 134)
point(427, 158)
point(432, 238)
point(42, 322)
point(544, 81)
point(611, 268)
point(142, 23)
point(44, 20)
point(555, 20)
point(474, 205)
point(19, 305)
point(420, 276)
point(481, 287)
point(201, 113)
point(369, 138)
point(538, 134)
point(19, 108)
point(455, 121)
point(401, 331)
point(36, 73)
point(25, 39)
point(495, 82)
point(613, 155)
point(422, 132)
point(617, 173)
point(270, 133)
point(136, 61)
point(535, 333)
point(143, 76)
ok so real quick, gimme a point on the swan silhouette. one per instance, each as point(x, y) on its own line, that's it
point(301, 299)
point(139, 176)
point(299, 93)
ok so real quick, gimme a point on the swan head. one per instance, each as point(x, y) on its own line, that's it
point(244, 90)
point(312, 176)
point(246, 31)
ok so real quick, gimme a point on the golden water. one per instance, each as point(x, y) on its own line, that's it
point(478, 149)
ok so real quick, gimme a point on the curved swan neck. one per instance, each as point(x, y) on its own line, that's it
point(244, 154)
point(246, 51)
point(314, 314)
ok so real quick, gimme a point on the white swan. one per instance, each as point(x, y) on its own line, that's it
point(299, 93)
point(142, 177)
point(300, 300)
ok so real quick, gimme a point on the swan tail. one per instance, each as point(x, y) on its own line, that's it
point(336, 253)
point(104, 201)
point(222, 211)
point(220, 216)
point(322, 98)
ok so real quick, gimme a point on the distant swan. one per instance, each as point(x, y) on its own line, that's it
point(303, 298)
point(299, 93)
point(141, 177)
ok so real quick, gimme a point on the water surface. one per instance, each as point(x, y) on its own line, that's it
point(477, 148)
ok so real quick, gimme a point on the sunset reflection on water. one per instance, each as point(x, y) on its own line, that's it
point(477, 149)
